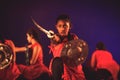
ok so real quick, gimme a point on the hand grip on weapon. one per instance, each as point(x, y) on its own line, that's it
point(50, 33)
point(53, 36)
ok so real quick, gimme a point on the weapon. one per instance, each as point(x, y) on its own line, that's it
point(49, 33)
point(74, 52)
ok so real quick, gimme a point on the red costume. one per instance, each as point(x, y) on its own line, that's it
point(35, 70)
point(11, 72)
point(103, 60)
point(70, 73)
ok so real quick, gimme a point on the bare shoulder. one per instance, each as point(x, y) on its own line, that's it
point(38, 46)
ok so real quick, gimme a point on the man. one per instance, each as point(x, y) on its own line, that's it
point(59, 69)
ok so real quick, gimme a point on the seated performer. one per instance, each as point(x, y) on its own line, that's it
point(102, 62)
point(59, 69)
point(11, 72)
point(36, 69)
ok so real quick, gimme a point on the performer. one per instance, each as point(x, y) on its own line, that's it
point(58, 68)
point(11, 72)
point(102, 60)
point(36, 69)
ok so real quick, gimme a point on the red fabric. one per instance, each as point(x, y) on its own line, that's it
point(10, 73)
point(40, 57)
point(73, 73)
point(70, 73)
point(34, 71)
point(57, 50)
point(104, 60)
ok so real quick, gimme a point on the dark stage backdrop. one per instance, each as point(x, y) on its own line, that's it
point(92, 21)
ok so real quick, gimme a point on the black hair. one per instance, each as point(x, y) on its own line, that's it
point(34, 33)
point(100, 46)
point(65, 18)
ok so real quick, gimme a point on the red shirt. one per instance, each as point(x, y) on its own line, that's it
point(102, 59)
point(70, 73)
point(35, 70)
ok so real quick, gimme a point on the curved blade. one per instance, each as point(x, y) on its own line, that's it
point(40, 28)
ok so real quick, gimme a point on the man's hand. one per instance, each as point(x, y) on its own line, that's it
point(56, 38)
point(51, 34)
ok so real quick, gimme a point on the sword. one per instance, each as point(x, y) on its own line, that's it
point(50, 33)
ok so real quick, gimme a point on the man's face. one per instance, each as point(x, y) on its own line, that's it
point(63, 27)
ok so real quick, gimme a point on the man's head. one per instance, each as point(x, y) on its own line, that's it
point(63, 24)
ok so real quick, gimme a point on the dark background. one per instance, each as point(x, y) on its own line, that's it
point(92, 21)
